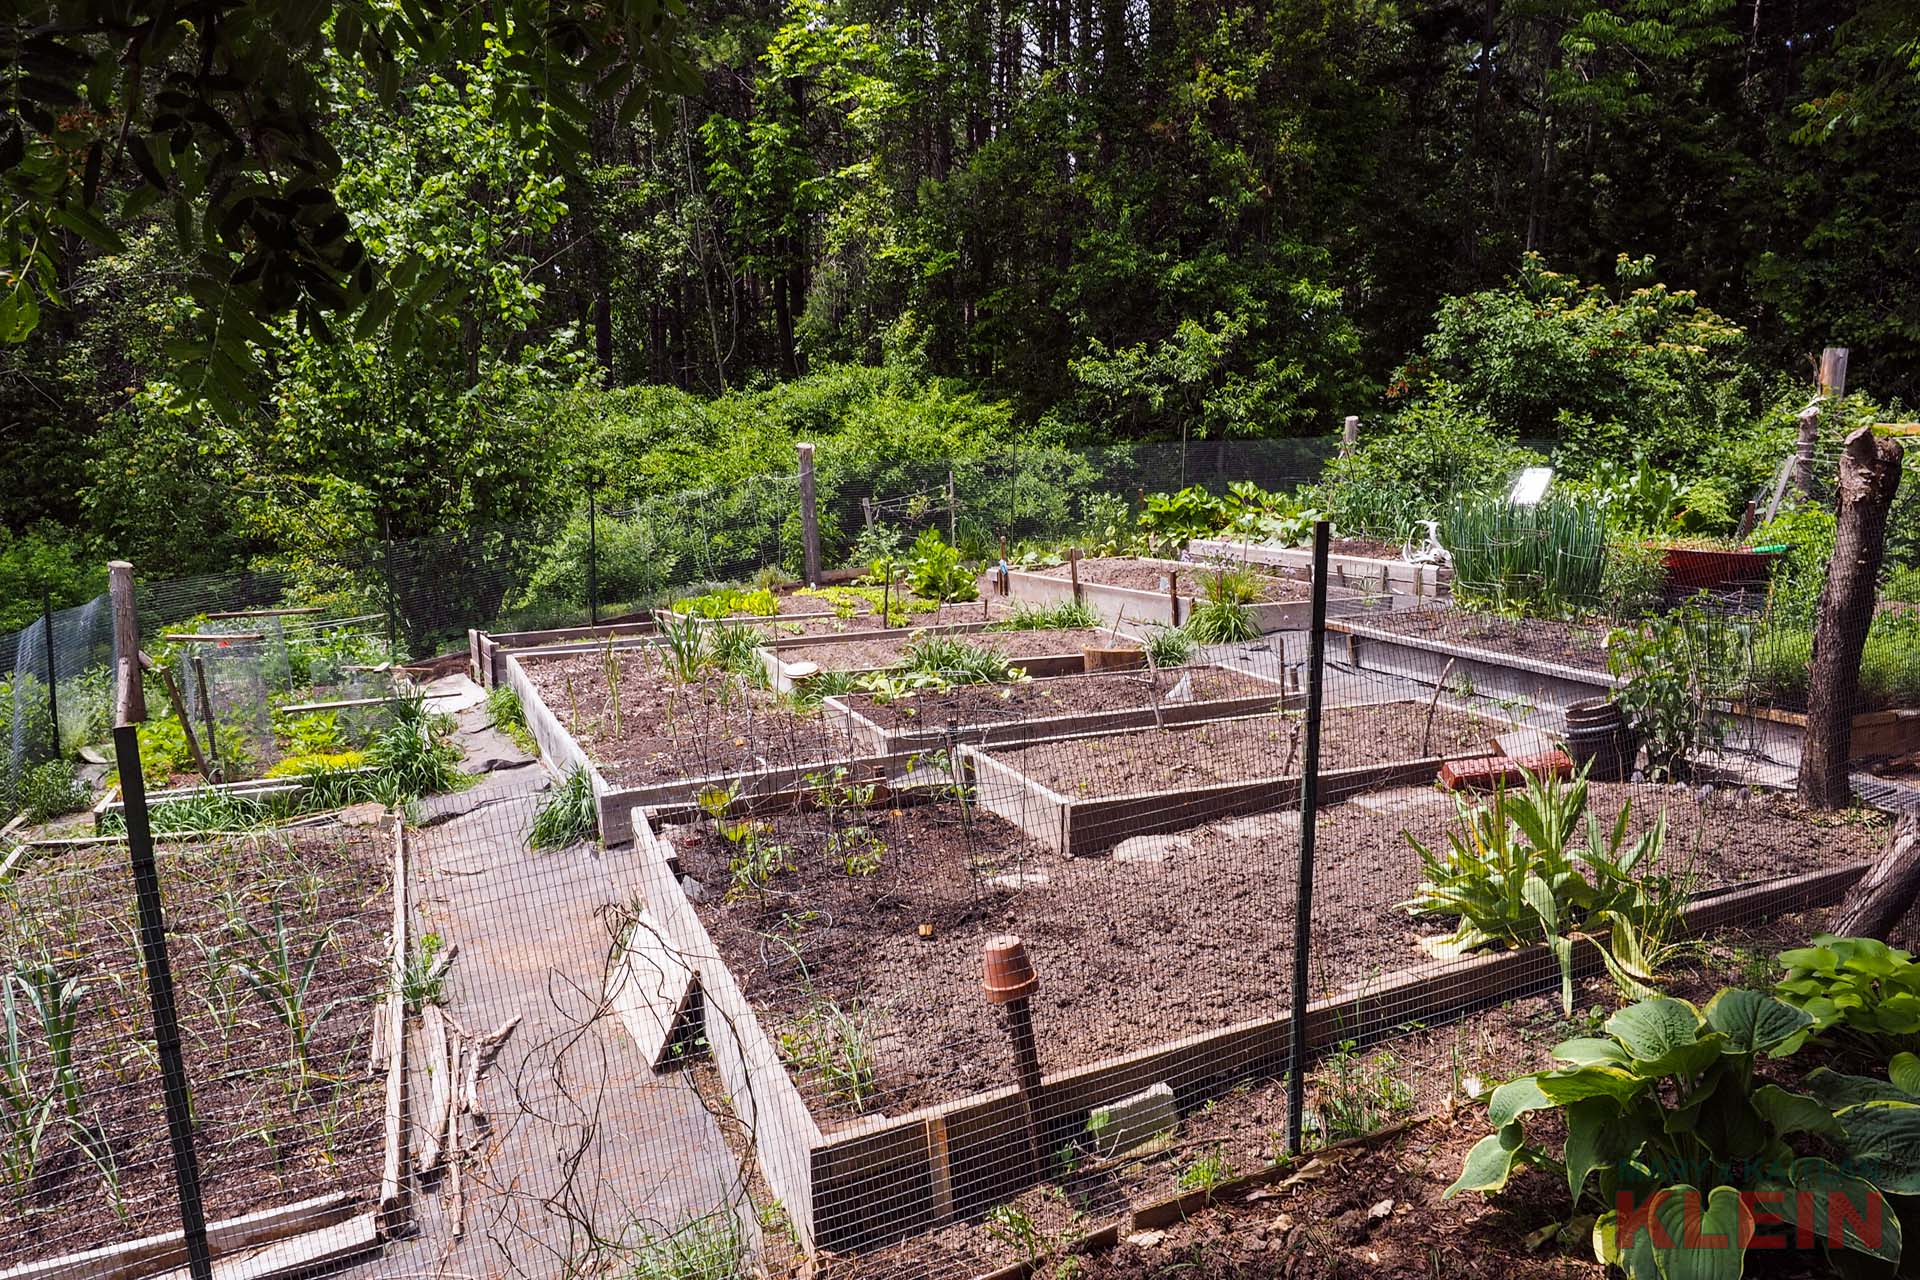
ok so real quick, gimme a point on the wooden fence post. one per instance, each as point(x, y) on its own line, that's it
point(130, 695)
point(1803, 454)
point(1869, 477)
point(1349, 435)
point(809, 515)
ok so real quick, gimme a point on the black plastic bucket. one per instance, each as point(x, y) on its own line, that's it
point(1600, 740)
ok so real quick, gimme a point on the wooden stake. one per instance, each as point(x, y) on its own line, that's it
point(1426, 735)
point(186, 724)
point(1073, 571)
point(435, 1051)
point(1803, 453)
point(130, 701)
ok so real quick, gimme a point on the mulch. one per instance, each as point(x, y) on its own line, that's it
point(263, 1140)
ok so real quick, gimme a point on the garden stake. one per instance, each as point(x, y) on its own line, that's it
point(1073, 571)
point(593, 557)
point(1009, 981)
point(1426, 735)
point(1309, 801)
point(1173, 594)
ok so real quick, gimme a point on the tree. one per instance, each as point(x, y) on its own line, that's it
point(220, 109)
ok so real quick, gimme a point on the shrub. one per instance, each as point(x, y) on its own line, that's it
point(51, 790)
point(631, 564)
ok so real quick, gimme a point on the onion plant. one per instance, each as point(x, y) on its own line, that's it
point(1547, 559)
point(282, 976)
point(24, 1108)
point(568, 814)
point(1068, 615)
point(684, 647)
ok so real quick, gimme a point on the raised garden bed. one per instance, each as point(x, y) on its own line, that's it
point(1049, 708)
point(1083, 795)
point(1049, 652)
point(270, 1135)
point(1133, 956)
point(1137, 592)
point(1362, 564)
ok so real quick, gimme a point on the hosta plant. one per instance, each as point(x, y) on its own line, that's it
point(1687, 1160)
point(1856, 986)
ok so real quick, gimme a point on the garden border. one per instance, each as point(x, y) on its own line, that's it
point(1077, 826)
point(305, 1235)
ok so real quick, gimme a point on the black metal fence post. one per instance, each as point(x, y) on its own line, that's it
point(53, 672)
point(129, 711)
point(1309, 805)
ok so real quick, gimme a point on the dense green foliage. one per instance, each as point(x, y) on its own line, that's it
point(1606, 228)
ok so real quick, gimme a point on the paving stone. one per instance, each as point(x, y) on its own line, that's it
point(1150, 848)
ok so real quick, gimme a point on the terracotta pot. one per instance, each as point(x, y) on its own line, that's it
point(1705, 569)
point(1009, 973)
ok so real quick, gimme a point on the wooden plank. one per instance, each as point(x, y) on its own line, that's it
point(357, 1237)
point(148, 1254)
point(179, 637)
point(650, 988)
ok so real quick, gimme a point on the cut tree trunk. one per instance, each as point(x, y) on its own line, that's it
point(1869, 476)
point(1887, 892)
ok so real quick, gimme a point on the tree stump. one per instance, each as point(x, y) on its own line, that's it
point(1869, 477)
point(1887, 892)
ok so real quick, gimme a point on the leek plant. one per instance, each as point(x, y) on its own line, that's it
point(1546, 560)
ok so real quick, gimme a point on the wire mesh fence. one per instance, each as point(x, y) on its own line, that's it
point(705, 965)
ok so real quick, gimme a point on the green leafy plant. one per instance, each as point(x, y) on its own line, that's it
point(683, 648)
point(1223, 616)
point(730, 602)
point(412, 751)
point(510, 718)
point(309, 734)
point(714, 1247)
point(25, 1108)
point(423, 977)
point(1860, 987)
point(1677, 1138)
point(957, 661)
point(1208, 1171)
point(49, 790)
point(568, 814)
point(935, 570)
point(735, 647)
point(1175, 519)
point(1677, 668)
point(1360, 1094)
point(1546, 559)
point(1169, 646)
point(1511, 875)
point(859, 850)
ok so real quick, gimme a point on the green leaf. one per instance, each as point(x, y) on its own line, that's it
point(1904, 1072)
point(1807, 1198)
point(1617, 1083)
point(1599, 1134)
point(1883, 1139)
point(1682, 1235)
point(1795, 1112)
point(1514, 1099)
point(1586, 1051)
point(1654, 1028)
point(1841, 1091)
point(1753, 1022)
point(1490, 1163)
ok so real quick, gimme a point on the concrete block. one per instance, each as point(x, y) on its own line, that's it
point(1143, 1121)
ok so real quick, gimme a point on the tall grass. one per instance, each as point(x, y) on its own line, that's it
point(1546, 560)
point(568, 814)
